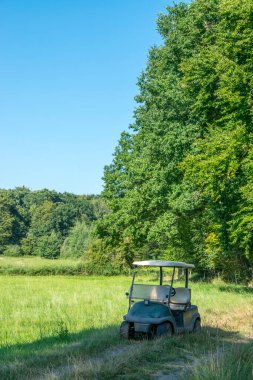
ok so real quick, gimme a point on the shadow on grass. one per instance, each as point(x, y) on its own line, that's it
point(31, 360)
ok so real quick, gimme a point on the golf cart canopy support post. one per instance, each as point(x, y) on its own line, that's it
point(131, 289)
point(186, 277)
point(173, 275)
point(161, 275)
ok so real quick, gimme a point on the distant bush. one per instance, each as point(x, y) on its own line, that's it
point(77, 241)
point(100, 261)
point(48, 246)
point(12, 250)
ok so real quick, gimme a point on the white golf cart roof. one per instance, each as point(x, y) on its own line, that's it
point(162, 263)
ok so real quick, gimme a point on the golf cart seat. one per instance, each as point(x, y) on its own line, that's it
point(181, 299)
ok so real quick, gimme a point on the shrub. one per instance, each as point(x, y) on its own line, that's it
point(48, 246)
point(12, 250)
point(77, 241)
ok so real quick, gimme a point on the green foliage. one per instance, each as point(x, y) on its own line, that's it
point(104, 262)
point(38, 222)
point(77, 241)
point(13, 219)
point(12, 250)
point(48, 246)
point(180, 184)
point(6, 219)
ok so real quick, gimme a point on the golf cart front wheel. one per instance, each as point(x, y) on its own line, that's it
point(197, 326)
point(164, 329)
point(126, 330)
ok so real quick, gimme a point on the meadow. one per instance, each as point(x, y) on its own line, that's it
point(67, 327)
point(34, 266)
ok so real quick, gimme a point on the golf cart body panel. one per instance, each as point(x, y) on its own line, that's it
point(155, 308)
point(185, 320)
point(145, 314)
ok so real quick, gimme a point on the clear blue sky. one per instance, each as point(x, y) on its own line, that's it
point(68, 72)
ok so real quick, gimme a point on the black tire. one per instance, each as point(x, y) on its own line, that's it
point(164, 329)
point(197, 326)
point(126, 330)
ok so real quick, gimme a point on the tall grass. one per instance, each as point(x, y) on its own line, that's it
point(68, 327)
point(232, 363)
point(33, 308)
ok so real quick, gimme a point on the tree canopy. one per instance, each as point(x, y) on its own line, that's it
point(180, 184)
point(46, 223)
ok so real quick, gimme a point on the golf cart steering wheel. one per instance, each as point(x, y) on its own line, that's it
point(172, 292)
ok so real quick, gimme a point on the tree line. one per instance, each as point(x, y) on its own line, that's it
point(46, 223)
point(180, 185)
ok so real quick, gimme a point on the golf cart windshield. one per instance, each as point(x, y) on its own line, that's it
point(161, 272)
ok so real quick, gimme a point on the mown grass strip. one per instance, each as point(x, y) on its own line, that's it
point(36, 266)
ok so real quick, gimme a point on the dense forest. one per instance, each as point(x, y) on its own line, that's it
point(46, 223)
point(180, 186)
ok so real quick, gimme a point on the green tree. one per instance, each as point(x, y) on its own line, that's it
point(179, 186)
point(6, 219)
point(41, 225)
point(48, 246)
point(77, 241)
point(13, 220)
point(30, 218)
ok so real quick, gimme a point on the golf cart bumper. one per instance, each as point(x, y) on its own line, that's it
point(146, 321)
point(142, 327)
point(144, 315)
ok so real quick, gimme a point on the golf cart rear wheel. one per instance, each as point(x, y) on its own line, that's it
point(164, 329)
point(197, 326)
point(126, 330)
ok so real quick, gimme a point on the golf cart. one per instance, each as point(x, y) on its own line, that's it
point(161, 309)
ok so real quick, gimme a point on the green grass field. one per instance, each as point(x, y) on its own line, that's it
point(56, 327)
point(34, 266)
